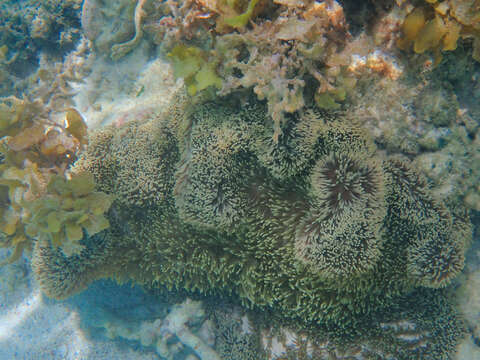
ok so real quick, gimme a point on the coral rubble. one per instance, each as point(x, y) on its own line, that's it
point(183, 332)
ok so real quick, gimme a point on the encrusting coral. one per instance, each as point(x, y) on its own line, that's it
point(379, 237)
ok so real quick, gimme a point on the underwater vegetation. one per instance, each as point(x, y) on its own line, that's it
point(289, 53)
point(317, 175)
point(438, 25)
point(331, 242)
point(39, 199)
point(297, 54)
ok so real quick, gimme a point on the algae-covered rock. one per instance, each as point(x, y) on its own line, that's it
point(107, 23)
point(31, 28)
point(437, 106)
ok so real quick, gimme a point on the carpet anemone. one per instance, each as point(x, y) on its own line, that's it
point(341, 234)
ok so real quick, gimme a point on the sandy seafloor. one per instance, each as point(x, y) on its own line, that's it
point(32, 326)
point(35, 327)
